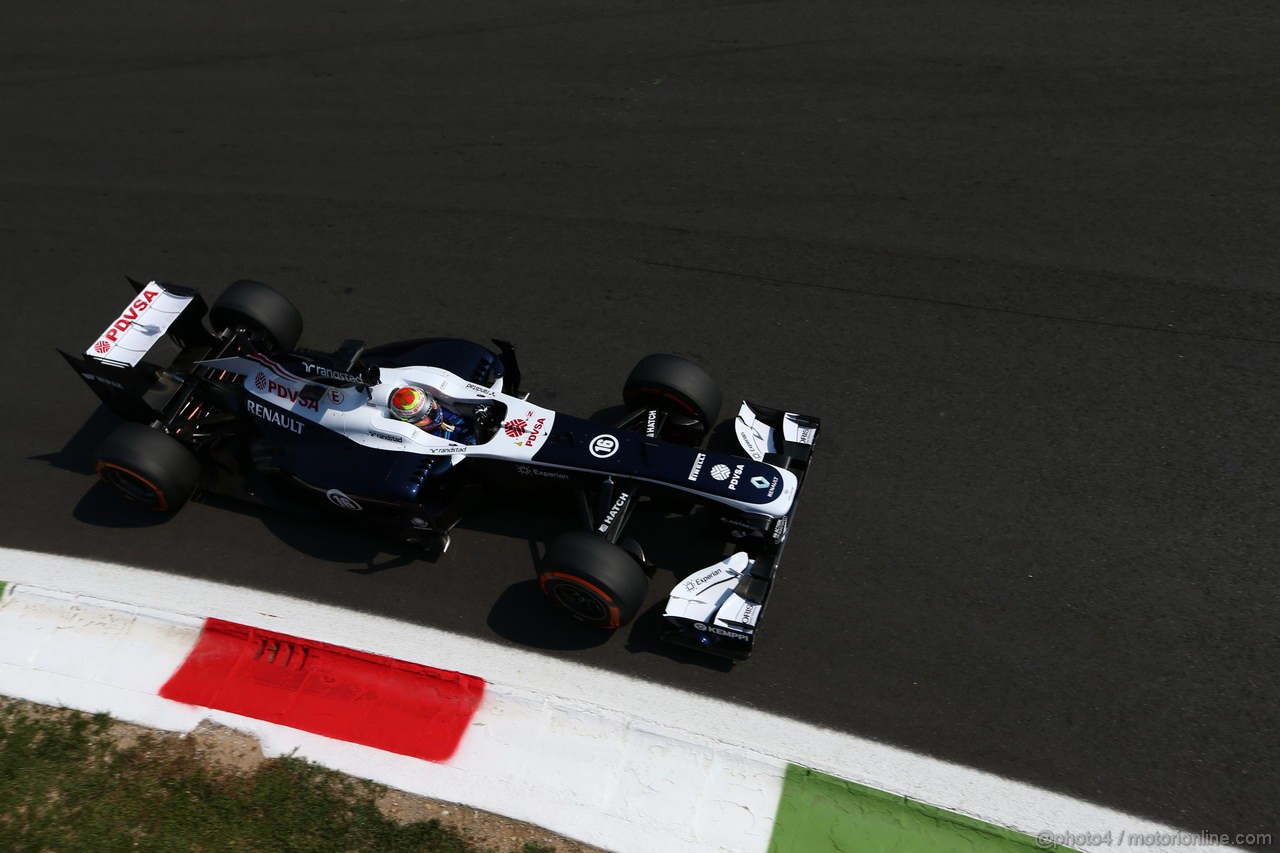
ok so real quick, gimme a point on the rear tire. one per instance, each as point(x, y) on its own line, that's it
point(258, 308)
point(148, 468)
point(676, 386)
point(593, 580)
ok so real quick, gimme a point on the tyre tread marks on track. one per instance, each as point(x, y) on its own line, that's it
point(968, 305)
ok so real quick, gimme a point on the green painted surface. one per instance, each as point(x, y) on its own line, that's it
point(824, 814)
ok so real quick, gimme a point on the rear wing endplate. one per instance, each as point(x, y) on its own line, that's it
point(126, 361)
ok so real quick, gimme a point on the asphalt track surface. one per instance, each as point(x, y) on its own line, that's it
point(1019, 257)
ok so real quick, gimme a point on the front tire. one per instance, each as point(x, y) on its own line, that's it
point(258, 309)
point(676, 386)
point(148, 468)
point(593, 580)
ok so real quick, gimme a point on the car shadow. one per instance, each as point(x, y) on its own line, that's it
point(101, 506)
point(77, 455)
point(674, 542)
point(523, 615)
point(643, 639)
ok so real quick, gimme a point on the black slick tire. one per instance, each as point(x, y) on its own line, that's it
point(258, 308)
point(148, 467)
point(676, 386)
point(592, 580)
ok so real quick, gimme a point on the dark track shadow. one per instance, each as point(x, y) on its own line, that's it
point(677, 544)
point(77, 454)
point(337, 539)
point(102, 506)
point(642, 638)
point(523, 615)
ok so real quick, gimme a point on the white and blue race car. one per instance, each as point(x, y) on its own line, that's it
point(220, 399)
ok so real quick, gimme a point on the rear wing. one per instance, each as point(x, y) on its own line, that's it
point(155, 310)
point(127, 365)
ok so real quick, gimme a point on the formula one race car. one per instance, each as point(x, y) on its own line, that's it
point(233, 407)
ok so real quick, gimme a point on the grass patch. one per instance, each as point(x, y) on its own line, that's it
point(67, 784)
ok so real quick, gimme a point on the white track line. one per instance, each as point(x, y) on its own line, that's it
point(692, 739)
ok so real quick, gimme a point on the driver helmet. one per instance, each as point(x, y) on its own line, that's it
point(413, 404)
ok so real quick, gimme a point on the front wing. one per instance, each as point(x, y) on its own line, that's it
point(718, 608)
